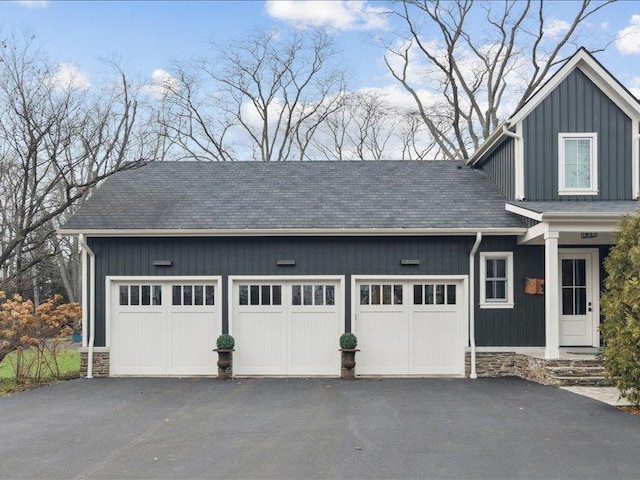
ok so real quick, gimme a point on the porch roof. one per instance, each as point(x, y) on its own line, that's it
point(573, 209)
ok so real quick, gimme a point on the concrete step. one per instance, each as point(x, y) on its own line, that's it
point(576, 371)
point(579, 381)
point(574, 363)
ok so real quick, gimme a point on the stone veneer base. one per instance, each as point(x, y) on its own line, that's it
point(100, 364)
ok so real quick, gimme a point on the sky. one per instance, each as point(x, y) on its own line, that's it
point(148, 36)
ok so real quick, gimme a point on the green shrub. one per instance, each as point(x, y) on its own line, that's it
point(225, 342)
point(348, 341)
point(620, 306)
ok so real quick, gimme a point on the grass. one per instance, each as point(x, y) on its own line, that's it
point(68, 362)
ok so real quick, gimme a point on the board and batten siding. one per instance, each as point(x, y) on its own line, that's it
point(499, 166)
point(224, 256)
point(577, 105)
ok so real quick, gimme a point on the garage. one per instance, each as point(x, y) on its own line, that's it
point(286, 326)
point(410, 326)
point(164, 327)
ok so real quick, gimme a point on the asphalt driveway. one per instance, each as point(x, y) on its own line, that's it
point(393, 428)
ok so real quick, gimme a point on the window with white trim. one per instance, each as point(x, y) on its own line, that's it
point(577, 163)
point(496, 280)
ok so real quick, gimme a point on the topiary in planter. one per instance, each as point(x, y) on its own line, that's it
point(348, 341)
point(225, 342)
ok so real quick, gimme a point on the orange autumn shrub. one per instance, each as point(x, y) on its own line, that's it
point(39, 329)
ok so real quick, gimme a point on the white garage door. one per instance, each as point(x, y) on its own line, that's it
point(410, 328)
point(287, 327)
point(164, 328)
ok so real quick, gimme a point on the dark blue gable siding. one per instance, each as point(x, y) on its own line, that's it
point(523, 325)
point(499, 166)
point(577, 105)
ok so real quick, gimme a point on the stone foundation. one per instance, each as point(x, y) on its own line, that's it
point(100, 363)
point(539, 370)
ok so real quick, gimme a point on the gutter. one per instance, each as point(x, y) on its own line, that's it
point(472, 304)
point(92, 305)
point(236, 232)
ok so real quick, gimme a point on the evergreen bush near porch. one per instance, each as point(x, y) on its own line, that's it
point(620, 306)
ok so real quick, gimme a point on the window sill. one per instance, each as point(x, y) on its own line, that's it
point(497, 305)
point(578, 192)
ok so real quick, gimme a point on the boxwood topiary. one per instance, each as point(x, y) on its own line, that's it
point(225, 342)
point(348, 341)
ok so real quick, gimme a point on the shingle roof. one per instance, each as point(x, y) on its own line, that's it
point(575, 206)
point(295, 195)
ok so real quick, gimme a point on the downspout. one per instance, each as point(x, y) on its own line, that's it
point(472, 303)
point(92, 304)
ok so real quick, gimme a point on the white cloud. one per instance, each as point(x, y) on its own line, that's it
point(33, 3)
point(340, 15)
point(628, 39)
point(69, 76)
point(635, 86)
point(162, 83)
point(555, 27)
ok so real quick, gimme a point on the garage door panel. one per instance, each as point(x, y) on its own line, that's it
point(193, 338)
point(310, 357)
point(424, 335)
point(140, 343)
point(162, 327)
point(260, 348)
point(437, 342)
point(382, 340)
point(291, 328)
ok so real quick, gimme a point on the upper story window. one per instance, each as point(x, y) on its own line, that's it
point(578, 163)
point(496, 280)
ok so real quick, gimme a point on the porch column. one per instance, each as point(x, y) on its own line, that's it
point(551, 294)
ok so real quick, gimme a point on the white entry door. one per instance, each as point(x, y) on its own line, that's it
point(576, 299)
point(286, 327)
point(166, 328)
point(410, 327)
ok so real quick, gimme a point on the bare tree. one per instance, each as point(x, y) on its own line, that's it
point(261, 98)
point(468, 70)
point(368, 127)
point(58, 139)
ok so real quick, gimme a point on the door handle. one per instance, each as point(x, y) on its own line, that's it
point(589, 307)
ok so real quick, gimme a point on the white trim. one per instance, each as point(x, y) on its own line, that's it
point(282, 278)
point(492, 140)
point(598, 75)
point(595, 287)
point(213, 232)
point(110, 279)
point(518, 169)
point(593, 177)
point(95, 349)
point(523, 212)
point(508, 303)
point(635, 158)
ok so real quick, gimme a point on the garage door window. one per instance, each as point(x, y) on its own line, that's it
point(189, 295)
point(381, 294)
point(313, 294)
point(260, 294)
point(434, 294)
point(133, 295)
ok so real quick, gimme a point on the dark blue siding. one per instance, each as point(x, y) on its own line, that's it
point(499, 166)
point(523, 325)
point(577, 105)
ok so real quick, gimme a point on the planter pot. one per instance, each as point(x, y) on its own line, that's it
point(348, 362)
point(76, 337)
point(225, 361)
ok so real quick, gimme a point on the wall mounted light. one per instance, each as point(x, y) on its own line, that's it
point(286, 263)
point(410, 261)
